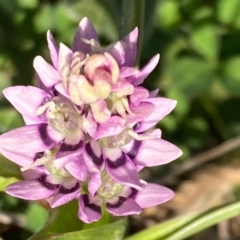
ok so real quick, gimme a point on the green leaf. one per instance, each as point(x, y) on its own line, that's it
point(161, 230)
point(4, 182)
point(113, 231)
point(67, 219)
point(228, 12)
point(9, 169)
point(191, 76)
point(204, 40)
point(231, 76)
point(206, 220)
point(36, 217)
point(168, 13)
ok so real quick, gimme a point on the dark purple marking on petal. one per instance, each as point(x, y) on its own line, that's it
point(93, 206)
point(64, 190)
point(133, 152)
point(118, 163)
point(133, 193)
point(97, 160)
point(68, 147)
point(38, 155)
point(118, 204)
point(46, 184)
point(44, 135)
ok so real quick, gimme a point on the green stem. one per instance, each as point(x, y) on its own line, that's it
point(132, 16)
point(139, 22)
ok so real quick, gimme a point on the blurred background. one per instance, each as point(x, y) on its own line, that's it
point(199, 43)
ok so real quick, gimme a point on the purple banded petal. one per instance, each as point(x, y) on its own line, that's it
point(146, 70)
point(77, 168)
point(85, 31)
point(27, 100)
point(154, 152)
point(152, 195)
point(113, 126)
point(34, 173)
point(38, 138)
point(65, 195)
point(48, 75)
point(163, 106)
point(53, 49)
point(121, 168)
point(88, 211)
point(123, 207)
point(31, 189)
point(131, 47)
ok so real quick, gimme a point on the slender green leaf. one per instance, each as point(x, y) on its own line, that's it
point(206, 220)
point(161, 230)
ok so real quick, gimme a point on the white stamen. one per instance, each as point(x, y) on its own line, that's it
point(141, 137)
point(37, 163)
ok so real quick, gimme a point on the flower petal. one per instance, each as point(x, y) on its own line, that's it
point(146, 70)
point(153, 152)
point(87, 31)
point(117, 50)
point(88, 211)
point(113, 126)
point(163, 106)
point(22, 159)
point(152, 195)
point(94, 183)
point(77, 168)
point(37, 138)
point(123, 207)
point(131, 47)
point(121, 168)
point(53, 49)
point(27, 100)
point(65, 195)
point(31, 189)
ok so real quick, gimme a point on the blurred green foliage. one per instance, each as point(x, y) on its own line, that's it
point(200, 61)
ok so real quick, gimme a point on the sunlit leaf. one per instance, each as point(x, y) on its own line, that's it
point(229, 12)
point(191, 76)
point(4, 182)
point(205, 41)
point(36, 217)
point(231, 76)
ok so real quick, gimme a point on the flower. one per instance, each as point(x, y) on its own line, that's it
point(89, 123)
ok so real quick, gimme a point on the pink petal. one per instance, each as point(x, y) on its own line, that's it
point(131, 47)
point(27, 100)
point(152, 195)
point(30, 190)
point(53, 49)
point(48, 75)
point(146, 70)
point(156, 152)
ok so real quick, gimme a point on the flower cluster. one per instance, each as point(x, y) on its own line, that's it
point(89, 128)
